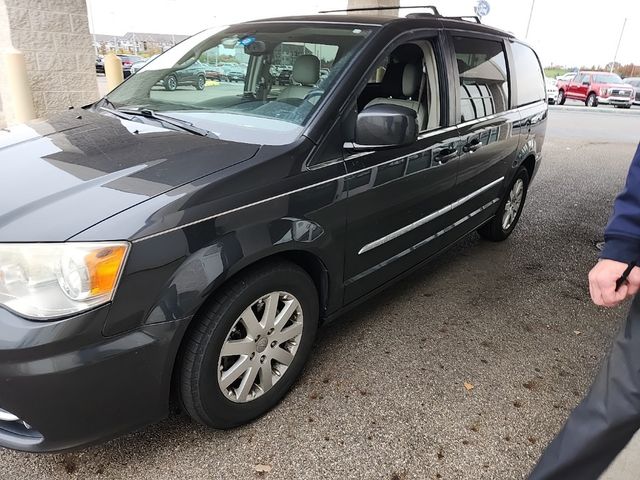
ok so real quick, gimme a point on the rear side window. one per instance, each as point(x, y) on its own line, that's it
point(483, 79)
point(528, 75)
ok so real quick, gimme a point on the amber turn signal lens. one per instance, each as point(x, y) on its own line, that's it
point(104, 268)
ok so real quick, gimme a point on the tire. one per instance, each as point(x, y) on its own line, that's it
point(561, 97)
point(495, 229)
point(592, 100)
point(204, 393)
point(170, 83)
point(200, 83)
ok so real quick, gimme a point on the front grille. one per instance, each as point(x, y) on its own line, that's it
point(620, 93)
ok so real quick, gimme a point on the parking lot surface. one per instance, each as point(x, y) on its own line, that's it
point(384, 394)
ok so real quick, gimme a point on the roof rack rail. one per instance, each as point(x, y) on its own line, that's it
point(434, 12)
point(467, 18)
point(374, 9)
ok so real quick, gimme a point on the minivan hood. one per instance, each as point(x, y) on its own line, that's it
point(63, 175)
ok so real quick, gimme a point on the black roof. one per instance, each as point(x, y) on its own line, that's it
point(424, 20)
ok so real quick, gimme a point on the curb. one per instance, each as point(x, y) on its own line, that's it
point(597, 110)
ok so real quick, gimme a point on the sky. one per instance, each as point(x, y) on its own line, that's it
point(563, 32)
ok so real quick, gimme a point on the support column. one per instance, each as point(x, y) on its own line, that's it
point(54, 38)
point(375, 3)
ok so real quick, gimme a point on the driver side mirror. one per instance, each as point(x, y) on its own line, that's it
point(385, 125)
point(586, 82)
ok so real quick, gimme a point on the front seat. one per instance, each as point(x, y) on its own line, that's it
point(411, 86)
point(306, 72)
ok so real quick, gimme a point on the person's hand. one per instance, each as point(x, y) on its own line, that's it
point(602, 283)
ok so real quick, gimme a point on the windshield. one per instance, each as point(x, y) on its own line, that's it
point(607, 78)
point(267, 77)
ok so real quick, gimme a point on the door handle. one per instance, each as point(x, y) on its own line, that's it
point(446, 154)
point(472, 146)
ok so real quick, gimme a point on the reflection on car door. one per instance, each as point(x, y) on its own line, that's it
point(581, 88)
point(398, 198)
point(486, 127)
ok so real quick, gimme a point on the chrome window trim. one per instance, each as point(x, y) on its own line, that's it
point(424, 220)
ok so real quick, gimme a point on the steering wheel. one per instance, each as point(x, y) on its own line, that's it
point(296, 102)
point(313, 96)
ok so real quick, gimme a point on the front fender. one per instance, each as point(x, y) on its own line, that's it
point(191, 270)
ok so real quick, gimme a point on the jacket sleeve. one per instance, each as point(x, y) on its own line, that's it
point(622, 235)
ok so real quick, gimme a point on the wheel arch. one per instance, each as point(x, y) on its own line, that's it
point(310, 262)
point(530, 164)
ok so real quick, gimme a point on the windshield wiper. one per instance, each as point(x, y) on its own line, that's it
point(176, 122)
point(117, 113)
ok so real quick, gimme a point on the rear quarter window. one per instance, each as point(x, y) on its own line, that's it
point(483, 80)
point(528, 75)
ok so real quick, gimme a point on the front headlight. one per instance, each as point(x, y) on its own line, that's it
point(49, 280)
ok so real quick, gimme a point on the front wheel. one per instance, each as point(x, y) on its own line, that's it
point(505, 220)
point(561, 97)
point(249, 346)
point(592, 100)
point(200, 83)
point(171, 83)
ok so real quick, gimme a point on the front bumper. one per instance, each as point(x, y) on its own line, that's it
point(615, 100)
point(73, 386)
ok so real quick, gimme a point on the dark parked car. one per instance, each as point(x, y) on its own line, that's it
point(284, 77)
point(194, 74)
point(635, 83)
point(213, 72)
point(235, 75)
point(160, 246)
point(127, 62)
point(99, 65)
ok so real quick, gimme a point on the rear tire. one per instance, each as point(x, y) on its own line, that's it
point(200, 83)
point(206, 369)
point(498, 228)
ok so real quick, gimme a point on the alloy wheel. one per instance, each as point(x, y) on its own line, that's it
point(260, 347)
point(512, 207)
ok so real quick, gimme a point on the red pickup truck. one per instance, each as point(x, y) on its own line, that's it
point(594, 88)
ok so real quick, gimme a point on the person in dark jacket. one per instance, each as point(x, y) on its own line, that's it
point(608, 417)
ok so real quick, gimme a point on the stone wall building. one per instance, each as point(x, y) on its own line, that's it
point(54, 37)
point(376, 3)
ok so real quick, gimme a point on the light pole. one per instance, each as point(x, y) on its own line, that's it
point(533, 4)
point(615, 56)
point(93, 32)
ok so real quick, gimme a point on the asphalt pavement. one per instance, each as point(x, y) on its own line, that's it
point(464, 370)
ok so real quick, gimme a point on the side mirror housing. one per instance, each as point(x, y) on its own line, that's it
point(586, 83)
point(386, 125)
